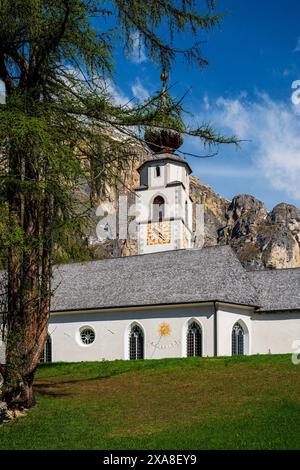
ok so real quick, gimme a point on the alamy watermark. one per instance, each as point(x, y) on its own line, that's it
point(2, 93)
point(123, 222)
point(295, 97)
point(296, 352)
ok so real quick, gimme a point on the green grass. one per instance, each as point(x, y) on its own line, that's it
point(218, 403)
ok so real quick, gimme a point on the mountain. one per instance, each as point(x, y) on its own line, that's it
point(261, 239)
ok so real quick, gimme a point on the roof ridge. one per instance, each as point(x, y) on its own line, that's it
point(272, 270)
point(180, 250)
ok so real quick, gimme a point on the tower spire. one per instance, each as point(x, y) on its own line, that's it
point(164, 79)
point(164, 139)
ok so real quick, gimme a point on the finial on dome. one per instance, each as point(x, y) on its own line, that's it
point(159, 139)
point(164, 78)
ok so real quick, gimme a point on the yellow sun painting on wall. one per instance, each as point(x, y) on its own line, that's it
point(164, 329)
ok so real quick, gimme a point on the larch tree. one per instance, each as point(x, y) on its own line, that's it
point(55, 57)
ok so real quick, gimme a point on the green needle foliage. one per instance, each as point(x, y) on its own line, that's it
point(60, 129)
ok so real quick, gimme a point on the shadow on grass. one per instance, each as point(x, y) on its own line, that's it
point(44, 389)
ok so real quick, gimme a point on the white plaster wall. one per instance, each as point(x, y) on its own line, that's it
point(275, 332)
point(266, 333)
point(178, 234)
point(148, 175)
point(174, 197)
point(144, 201)
point(111, 330)
point(189, 221)
point(157, 181)
point(226, 318)
point(169, 172)
point(178, 173)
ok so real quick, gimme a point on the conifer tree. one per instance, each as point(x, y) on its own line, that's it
point(55, 58)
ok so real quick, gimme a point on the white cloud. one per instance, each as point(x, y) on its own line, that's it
point(137, 54)
point(99, 84)
point(139, 91)
point(118, 96)
point(206, 102)
point(297, 48)
point(274, 131)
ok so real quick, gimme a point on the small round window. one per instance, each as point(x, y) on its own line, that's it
point(87, 335)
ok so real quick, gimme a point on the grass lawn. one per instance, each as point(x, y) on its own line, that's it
point(197, 403)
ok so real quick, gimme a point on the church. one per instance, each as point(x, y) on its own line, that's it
point(172, 299)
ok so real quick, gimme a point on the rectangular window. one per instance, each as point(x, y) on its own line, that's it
point(158, 171)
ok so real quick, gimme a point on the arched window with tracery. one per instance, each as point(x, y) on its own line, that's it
point(238, 340)
point(136, 343)
point(158, 208)
point(194, 340)
point(46, 355)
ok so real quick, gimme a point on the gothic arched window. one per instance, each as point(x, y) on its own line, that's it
point(136, 343)
point(158, 208)
point(194, 340)
point(237, 339)
point(46, 355)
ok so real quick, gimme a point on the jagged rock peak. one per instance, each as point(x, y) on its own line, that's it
point(243, 215)
point(285, 214)
point(261, 239)
point(246, 202)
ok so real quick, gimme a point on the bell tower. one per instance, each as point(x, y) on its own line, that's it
point(164, 207)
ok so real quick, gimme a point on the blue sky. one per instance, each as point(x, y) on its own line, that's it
point(254, 57)
point(246, 90)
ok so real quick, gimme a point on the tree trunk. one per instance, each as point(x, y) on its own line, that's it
point(29, 284)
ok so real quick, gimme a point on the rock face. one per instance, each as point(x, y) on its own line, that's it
point(243, 230)
point(261, 239)
point(282, 244)
point(215, 208)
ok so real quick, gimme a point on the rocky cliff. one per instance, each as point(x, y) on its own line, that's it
point(261, 239)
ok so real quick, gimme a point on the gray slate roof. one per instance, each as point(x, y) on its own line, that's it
point(173, 277)
point(278, 289)
point(165, 157)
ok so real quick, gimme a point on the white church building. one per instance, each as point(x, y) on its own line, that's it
point(171, 300)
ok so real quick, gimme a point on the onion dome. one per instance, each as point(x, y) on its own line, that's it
point(165, 139)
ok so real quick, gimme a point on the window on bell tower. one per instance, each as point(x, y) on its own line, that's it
point(157, 171)
point(158, 208)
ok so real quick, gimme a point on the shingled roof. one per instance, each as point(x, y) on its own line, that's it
point(171, 277)
point(165, 157)
point(278, 289)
